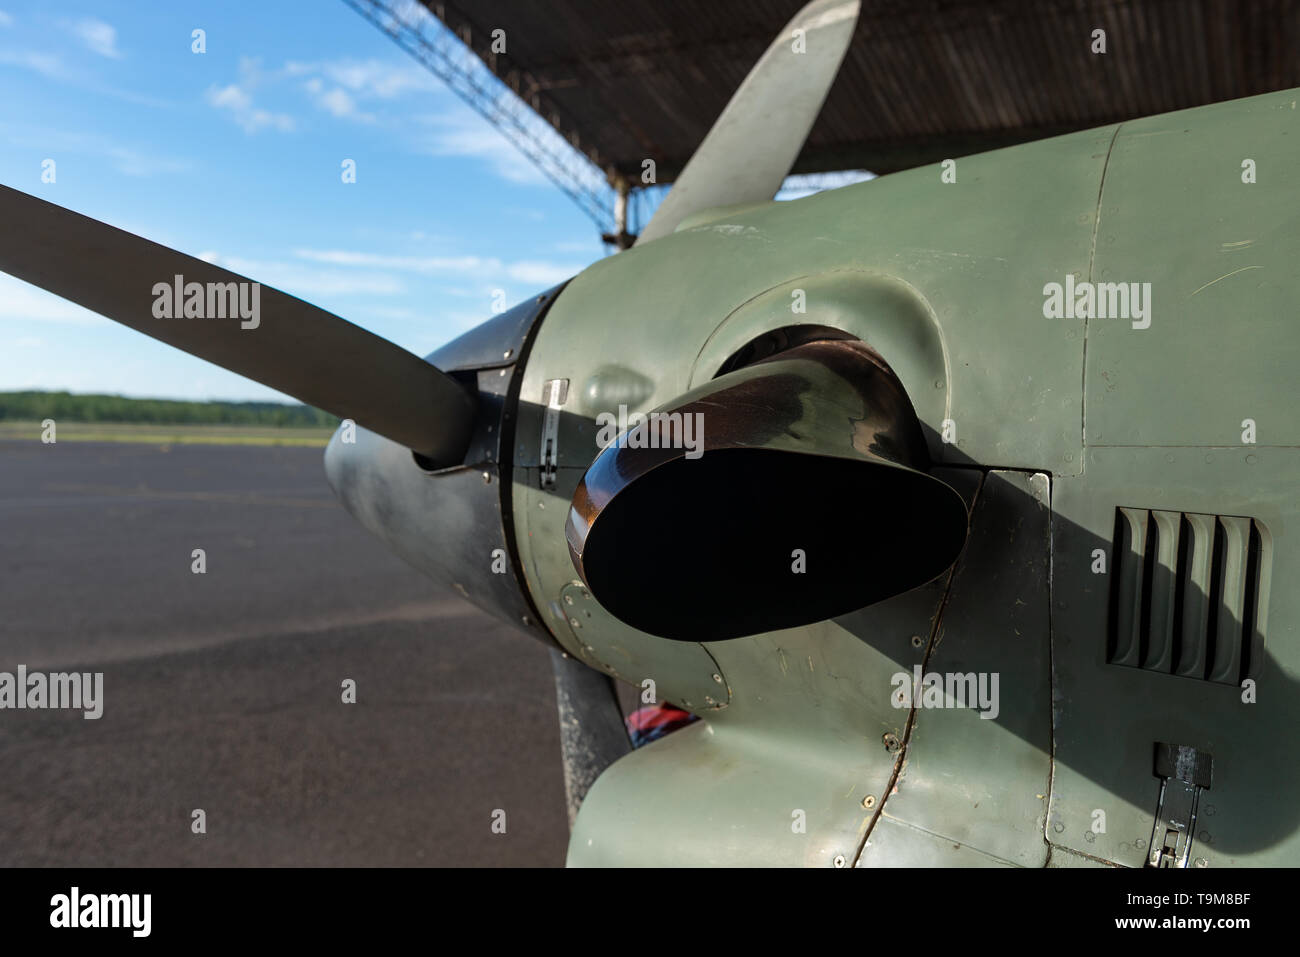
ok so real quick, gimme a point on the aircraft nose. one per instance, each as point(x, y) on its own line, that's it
point(451, 522)
point(445, 523)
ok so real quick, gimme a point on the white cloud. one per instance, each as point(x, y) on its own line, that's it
point(51, 66)
point(340, 104)
point(128, 161)
point(237, 99)
point(368, 79)
point(536, 272)
point(21, 301)
point(96, 35)
point(541, 273)
point(5, 19)
point(230, 97)
point(340, 257)
point(239, 102)
point(305, 281)
point(340, 86)
point(467, 134)
point(46, 64)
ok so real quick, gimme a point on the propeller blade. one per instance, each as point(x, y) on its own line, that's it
point(754, 143)
point(290, 345)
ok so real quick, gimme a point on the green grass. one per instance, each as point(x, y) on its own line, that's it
point(114, 418)
point(186, 434)
point(98, 408)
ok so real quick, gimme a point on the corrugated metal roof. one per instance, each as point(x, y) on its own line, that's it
point(626, 80)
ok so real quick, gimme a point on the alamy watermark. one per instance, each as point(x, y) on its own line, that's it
point(213, 300)
point(1101, 300)
point(652, 430)
point(57, 689)
point(949, 690)
point(75, 909)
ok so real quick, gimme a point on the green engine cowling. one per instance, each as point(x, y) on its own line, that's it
point(1046, 426)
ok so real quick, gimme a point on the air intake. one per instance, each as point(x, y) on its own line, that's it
point(1189, 594)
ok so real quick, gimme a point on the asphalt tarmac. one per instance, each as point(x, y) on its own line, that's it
point(223, 691)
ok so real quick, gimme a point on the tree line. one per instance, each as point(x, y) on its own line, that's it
point(66, 407)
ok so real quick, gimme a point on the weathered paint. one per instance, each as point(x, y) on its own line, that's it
point(947, 282)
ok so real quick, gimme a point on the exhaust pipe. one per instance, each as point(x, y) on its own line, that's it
point(804, 494)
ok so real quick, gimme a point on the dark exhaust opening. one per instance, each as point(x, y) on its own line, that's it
point(705, 549)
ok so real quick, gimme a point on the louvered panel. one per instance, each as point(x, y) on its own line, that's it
point(1130, 553)
point(1163, 617)
point(1199, 545)
point(1188, 593)
point(1232, 605)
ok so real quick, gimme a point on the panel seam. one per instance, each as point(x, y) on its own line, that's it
point(1092, 258)
point(901, 758)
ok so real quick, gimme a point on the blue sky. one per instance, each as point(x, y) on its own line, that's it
point(234, 155)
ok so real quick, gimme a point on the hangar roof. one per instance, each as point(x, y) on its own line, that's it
point(626, 80)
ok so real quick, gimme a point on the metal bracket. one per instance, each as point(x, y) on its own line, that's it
point(555, 392)
point(1184, 773)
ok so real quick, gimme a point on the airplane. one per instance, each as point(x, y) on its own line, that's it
point(949, 502)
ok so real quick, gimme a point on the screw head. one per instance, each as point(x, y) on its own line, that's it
point(839, 860)
point(917, 642)
point(891, 741)
point(869, 801)
point(717, 677)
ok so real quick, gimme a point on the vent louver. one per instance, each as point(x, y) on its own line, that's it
point(1188, 594)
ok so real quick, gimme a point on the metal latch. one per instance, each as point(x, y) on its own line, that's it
point(1184, 773)
point(555, 392)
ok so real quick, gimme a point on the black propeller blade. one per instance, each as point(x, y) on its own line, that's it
point(291, 345)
